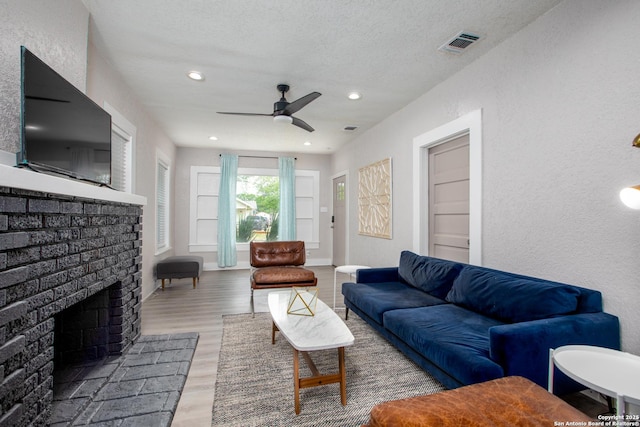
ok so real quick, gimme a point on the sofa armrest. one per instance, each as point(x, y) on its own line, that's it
point(523, 348)
point(377, 275)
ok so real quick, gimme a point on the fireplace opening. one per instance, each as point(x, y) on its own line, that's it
point(82, 336)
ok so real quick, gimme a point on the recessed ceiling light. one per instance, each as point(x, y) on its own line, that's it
point(354, 96)
point(195, 75)
point(213, 138)
point(307, 143)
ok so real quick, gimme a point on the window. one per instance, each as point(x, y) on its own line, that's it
point(162, 203)
point(120, 159)
point(253, 183)
point(257, 206)
point(340, 191)
point(123, 135)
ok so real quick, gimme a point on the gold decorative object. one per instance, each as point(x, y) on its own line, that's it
point(636, 141)
point(302, 301)
point(374, 199)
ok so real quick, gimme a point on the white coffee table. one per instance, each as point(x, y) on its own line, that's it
point(610, 372)
point(324, 330)
point(347, 269)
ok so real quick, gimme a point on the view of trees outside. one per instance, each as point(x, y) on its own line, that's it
point(261, 223)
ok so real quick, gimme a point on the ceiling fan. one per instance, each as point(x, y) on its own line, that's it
point(283, 110)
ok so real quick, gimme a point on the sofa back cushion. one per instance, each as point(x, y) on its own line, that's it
point(511, 298)
point(432, 275)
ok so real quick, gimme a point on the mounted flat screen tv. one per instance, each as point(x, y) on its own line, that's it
point(62, 130)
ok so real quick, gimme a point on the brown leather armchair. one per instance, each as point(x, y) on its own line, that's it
point(278, 265)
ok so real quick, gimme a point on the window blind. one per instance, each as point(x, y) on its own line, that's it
point(161, 206)
point(120, 160)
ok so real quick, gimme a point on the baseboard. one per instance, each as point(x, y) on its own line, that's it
point(213, 266)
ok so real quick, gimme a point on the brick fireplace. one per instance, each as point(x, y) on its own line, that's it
point(57, 252)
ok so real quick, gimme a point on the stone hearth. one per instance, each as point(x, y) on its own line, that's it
point(56, 251)
point(140, 388)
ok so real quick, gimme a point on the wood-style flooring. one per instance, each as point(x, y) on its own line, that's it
point(180, 308)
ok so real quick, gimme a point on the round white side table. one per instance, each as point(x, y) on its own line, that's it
point(347, 269)
point(610, 372)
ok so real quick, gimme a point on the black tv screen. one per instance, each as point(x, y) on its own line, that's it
point(63, 131)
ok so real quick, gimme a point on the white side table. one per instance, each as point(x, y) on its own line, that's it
point(610, 372)
point(347, 269)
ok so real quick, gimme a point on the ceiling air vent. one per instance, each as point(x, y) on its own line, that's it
point(350, 128)
point(460, 42)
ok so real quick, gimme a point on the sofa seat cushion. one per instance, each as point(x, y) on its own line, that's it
point(281, 275)
point(432, 275)
point(451, 337)
point(511, 298)
point(374, 299)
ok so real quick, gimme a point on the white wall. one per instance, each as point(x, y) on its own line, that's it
point(104, 84)
point(187, 157)
point(56, 32)
point(560, 107)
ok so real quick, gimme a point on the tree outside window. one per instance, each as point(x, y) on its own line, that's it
point(257, 207)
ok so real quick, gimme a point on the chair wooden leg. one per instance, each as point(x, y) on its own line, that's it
point(194, 283)
point(346, 313)
point(274, 328)
point(163, 284)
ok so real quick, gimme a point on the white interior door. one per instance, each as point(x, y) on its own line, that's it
point(339, 220)
point(449, 200)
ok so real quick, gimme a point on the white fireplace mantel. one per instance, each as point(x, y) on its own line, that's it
point(24, 179)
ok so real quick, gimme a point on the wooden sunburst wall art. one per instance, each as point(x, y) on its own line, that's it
point(374, 199)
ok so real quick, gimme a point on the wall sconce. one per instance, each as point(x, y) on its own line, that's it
point(630, 196)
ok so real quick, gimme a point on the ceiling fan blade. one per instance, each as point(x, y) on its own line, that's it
point(301, 124)
point(245, 114)
point(299, 103)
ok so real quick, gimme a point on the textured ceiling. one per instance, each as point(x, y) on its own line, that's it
point(385, 49)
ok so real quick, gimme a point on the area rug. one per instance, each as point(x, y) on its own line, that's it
point(254, 385)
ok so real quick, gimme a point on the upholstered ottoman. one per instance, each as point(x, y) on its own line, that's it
point(179, 267)
point(508, 402)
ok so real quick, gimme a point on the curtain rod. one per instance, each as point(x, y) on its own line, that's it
point(260, 157)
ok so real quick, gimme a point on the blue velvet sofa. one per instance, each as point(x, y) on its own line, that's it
point(466, 324)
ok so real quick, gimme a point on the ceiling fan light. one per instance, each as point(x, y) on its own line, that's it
point(283, 119)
